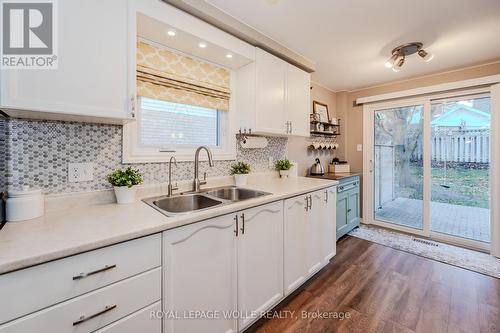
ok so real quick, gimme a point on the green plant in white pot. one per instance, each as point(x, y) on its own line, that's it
point(240, 172)
point(283, 166)
point(124, 182)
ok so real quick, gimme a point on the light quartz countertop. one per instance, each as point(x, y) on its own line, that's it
point(70, 227)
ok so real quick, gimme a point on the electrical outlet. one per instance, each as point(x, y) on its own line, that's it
point(80, 172)
point(359, 147)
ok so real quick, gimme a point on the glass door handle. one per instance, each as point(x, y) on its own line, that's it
point(371, 166)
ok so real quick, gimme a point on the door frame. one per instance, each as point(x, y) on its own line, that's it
point(368, 166)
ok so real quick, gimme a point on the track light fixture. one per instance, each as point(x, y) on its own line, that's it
point(397, 60)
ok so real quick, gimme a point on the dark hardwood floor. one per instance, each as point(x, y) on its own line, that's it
point(386, 290)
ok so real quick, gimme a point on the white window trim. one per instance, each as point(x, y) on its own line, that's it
point(133, 153)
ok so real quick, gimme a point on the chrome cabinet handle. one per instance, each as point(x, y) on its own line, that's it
point(310, 202)
point(132, 106)
point(84, 318)
point(291, 127)
point(307, 203)
point(236, 229)
point(326, 196)
point(242, 223)
point(100, 270)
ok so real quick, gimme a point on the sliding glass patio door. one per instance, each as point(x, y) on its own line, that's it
point(398, 166)
point(460, 168)
point(427, 167)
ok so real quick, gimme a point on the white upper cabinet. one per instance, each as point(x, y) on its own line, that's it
point(270, 93)
point(298, 100)
point(272, 97)
point(95, 40)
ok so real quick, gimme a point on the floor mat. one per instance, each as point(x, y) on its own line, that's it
point(453, 255)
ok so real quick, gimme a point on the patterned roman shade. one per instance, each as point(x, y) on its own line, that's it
point(165, 75)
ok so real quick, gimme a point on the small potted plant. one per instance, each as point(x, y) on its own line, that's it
point(283, 166)
point(124, 182)
point(240, 172)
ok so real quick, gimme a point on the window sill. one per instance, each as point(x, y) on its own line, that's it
point(179, 156)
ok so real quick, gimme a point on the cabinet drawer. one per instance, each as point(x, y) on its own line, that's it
point(94, 310)
point(140, 321)
point(37, 287)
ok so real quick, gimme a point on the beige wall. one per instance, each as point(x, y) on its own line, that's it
point(353, 115)
point(297, 147)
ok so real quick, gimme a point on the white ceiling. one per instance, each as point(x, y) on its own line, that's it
point(349, 40)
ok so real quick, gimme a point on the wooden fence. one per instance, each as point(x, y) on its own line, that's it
point(471, 146)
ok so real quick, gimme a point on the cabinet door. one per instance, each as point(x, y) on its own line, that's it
point(270, 93)
point(93, 54)
point(342, 206)
point(328, 230)
point(199, 274)
point(295, 223)
point(298, 100)
point(260, 260)
point(314, 232)
point(353, 206)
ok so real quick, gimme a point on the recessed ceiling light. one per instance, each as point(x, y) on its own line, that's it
point(171, 32)
point(202, 45)
point(229, 55)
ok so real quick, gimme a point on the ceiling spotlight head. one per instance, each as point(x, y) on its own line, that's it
point(398, 64)
point(202, 45)
point(390, 62)
point(229, 55)
point(425, 55)
point(171, 32)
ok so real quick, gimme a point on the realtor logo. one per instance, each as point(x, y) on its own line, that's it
point(29, 34)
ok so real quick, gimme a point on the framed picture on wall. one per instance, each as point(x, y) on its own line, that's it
point(321, 110)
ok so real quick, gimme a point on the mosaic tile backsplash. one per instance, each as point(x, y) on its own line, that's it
point(37, 153)
point(3, 155)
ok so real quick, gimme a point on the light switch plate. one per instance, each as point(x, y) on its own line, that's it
point(80, 172)
point(359, 147)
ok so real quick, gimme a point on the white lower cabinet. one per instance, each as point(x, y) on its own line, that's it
point(93, 310)
point(309, 236)
point(229, 266)
point(295, 226)
point(260, 260)
point(31, 289)
point(199, 274)
point(314, 232)
point(146, 320)
point(329, 230)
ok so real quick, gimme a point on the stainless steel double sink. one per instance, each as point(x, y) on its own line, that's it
point(206, 199)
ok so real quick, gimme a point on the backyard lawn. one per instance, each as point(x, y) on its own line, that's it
point(467, 187)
